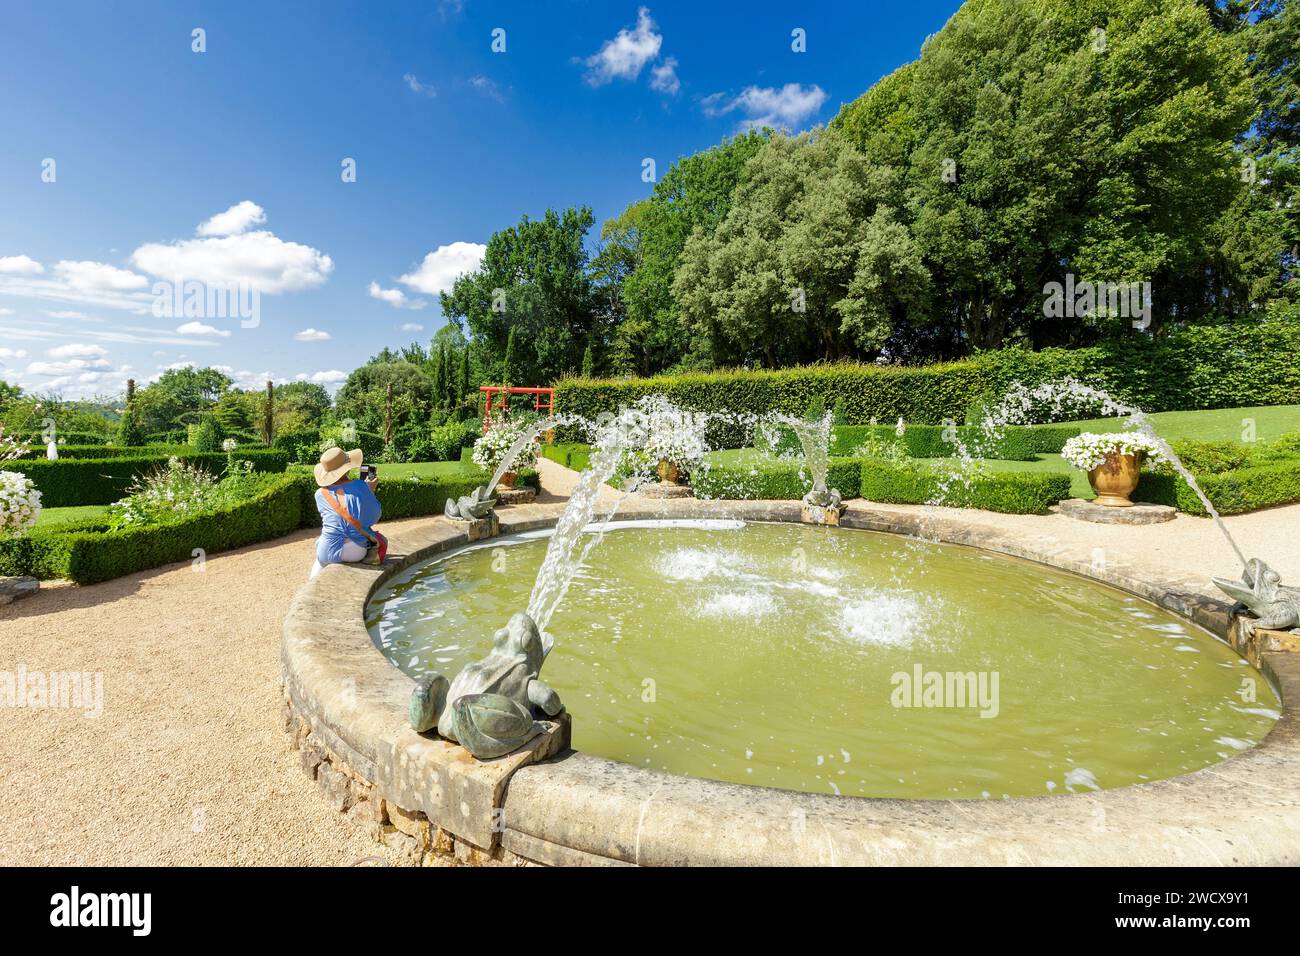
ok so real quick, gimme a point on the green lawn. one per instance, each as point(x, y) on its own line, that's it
point(49, 516)
point(1222, 424)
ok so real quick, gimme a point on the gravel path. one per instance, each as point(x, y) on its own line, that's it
point(188, 762)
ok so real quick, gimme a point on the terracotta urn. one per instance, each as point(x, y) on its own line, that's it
point(1115, 479)
point(669, 472)
point(507, 480)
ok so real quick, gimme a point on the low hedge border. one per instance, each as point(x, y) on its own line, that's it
point(778, 479)
point(87, 551)
point(111, 451)
point(101, 481)
point(1027, 493)
point(1232, 492)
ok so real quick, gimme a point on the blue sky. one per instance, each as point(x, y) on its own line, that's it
point(225, 167)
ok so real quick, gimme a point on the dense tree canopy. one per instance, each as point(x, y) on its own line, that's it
point(534, 281)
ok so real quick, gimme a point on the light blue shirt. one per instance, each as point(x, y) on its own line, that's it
point(360, 502)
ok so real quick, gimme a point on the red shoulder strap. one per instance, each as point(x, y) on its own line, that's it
point(343, 513)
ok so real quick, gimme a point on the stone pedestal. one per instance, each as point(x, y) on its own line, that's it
point(1139, 513)
point(479, 528)
point(515, 496)
point(1260, 641)
point(662, 489)
point(817, 514)
point(13, 588)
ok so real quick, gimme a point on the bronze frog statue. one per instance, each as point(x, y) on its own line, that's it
point(488, 709)
point(1260, 591)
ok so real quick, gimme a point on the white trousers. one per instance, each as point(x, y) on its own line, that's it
point(352, 553)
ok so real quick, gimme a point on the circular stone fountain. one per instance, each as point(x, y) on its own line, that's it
point(739, 677)
point(844, 662)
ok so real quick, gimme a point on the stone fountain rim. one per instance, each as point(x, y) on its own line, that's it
point(580, 809)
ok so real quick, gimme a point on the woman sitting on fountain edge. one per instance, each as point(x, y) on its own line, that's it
point(348, 509)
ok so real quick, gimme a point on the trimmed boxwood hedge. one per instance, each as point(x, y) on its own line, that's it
point(1219, 366)
point(1008, 492)
point(1015, 443)
point(72, 438)
point(101, 481)
point(1232, 492)
point(86, 551)
point(112, 451)
point(776, 479)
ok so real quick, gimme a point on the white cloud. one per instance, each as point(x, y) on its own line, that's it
point(442, 267)
point(394, 297)
point(624, 56)
point(12, 353)
point(87, 276)
point(234, 221)
point(312, 335)
point(780, 108)
point(67, 314)
point(198, 328)
point(258, 260)
point(20, 265)
point(6, 311)
point(331, 377)
point(77, 350)
point(415, 86)
point(68, 367)
point(487, 86)
point(412, 327)
point(664, 77)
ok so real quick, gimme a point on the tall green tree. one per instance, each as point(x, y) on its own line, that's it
point(811, 261)
point(179, 397)
point(533, 281)
point(694, 195)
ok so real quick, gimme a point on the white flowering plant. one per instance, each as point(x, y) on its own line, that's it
point(672, 434)
point(229, 445)
point(174, 491)
point(1089, 450)
point(492, 447)
point(20, 502)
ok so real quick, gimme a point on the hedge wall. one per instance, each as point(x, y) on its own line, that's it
point(1220, 366)
point(573, 455)
point(101, 481)
point(87, 551)
point(1009, 492)
point(1014, 443)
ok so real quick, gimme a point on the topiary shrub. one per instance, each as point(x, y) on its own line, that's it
point(206, 436)
point(128, 431)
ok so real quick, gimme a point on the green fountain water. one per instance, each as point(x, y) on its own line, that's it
point(803, 658)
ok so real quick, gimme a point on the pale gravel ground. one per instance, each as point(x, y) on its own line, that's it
point(189, 763)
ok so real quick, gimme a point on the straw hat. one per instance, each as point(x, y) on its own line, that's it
point(335, 463)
